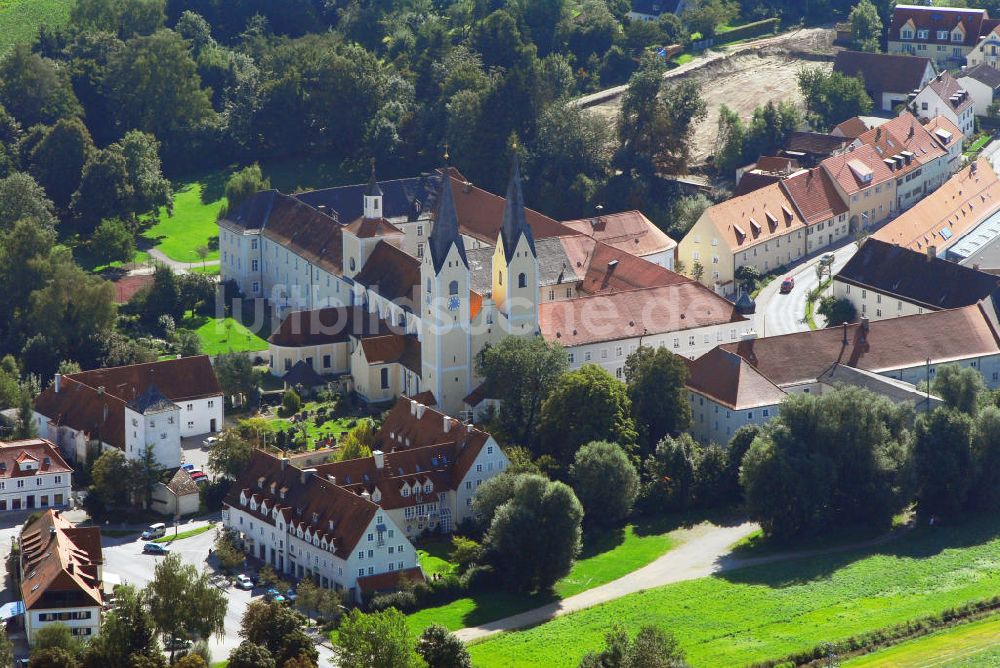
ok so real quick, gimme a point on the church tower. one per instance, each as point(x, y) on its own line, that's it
point(446, 342)
point(515, 265)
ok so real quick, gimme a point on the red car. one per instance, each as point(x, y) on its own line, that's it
point(787, 285)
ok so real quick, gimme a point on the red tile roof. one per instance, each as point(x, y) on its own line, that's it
point(60, 564)
point(366, 228)
point(390, 580)
point(847, 168)
point(626, 314)
point(755, 217)
point(893, 343)
point(393, 274)
point(731, 381)
point(629, 231)
point(851, 128)
point(606, 269)
point(946, 86)
point(480, 213)
point(392, 348)
point(307, 232)
point(933, 19)
point(814, 195)
point(38, 450)
point(334, 324)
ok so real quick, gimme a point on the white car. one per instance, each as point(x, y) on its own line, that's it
point(210, 441)
point(244, 582)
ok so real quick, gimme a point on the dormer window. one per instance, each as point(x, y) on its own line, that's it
point(274, 513)
point(260, 482)
point(405, 491)
point(923, 33)
point(942, 34)
point(906, 33)
point(243, 499)
point(427, 488)
point(253, 504)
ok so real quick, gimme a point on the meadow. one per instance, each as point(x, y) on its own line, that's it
point(963, 646)
point(770, 611)
point(20, 19)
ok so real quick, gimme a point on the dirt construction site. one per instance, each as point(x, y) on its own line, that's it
point(743, 77)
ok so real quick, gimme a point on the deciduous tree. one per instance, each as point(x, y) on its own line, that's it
point(34, 89)
point(22, 198)
point(960, 387)
point(656, 385)
point(183, 602)
point(378, 640)
point(942, 461)
point(57, 160)
point(605, 481)
point(230, 454)
point(441, 649)
point(832, 97)
point(866, 27)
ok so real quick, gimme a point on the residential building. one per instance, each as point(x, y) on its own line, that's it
point(745, 382)
point(131, 407)
point(944, 96)
point(406, 323)
point(959, 207)
point(767, 170)
point(348, 524)
point(985, 52)
point(982, 82)
point(946, 35)
point(811, 148)
point(889, 78)
point(856, 126)
point(33, 475)
point(631, 232)
point(61, 573)
point(883, 280)
point(651, 10)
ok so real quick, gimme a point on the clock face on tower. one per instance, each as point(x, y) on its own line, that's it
point(453, 303)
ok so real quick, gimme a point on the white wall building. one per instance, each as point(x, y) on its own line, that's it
point(33, 475)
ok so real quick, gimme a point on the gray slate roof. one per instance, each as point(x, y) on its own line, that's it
point(983, 73)
point(152, 401)
point(554, 266)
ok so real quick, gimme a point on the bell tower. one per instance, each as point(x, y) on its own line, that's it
point(446, 337)
point(515, 264)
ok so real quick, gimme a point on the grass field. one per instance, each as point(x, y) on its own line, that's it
point(222, 335)
point(169, 538)
point(769, 611)
point(605, 558)
point(331, 429)
point(197, 201)
point(20, 19)
point(433, 555)
point(965, 645)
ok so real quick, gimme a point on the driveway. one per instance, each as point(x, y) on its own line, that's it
point(784, 314)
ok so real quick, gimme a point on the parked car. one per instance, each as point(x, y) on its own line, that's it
point(198, 475)
point(291, 595)
point(155, 531)
point(274, 595)
point(176, 643)
point(155, 548)
point(827, 258)
point(187, 467)
point(210, 441)
point(244, 582)
point(786, 285)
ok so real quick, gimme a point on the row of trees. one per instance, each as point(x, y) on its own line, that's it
point(851, 457)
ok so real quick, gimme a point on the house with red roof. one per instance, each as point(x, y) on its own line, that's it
point(946, 35)
point(348, 525)
point(33, 475)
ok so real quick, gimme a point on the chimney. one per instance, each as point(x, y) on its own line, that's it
point(447, 424)
point(413, 407)
point(304, 476)
point(931, 253)
point(332, 478)
point(58, 382)
point(379, 457)
point(100, 391)
point(69, 568)
point(366, 496)
point(420, 410)
point(284, 463)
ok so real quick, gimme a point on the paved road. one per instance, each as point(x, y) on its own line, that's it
point(697, 557)
point(785, 314)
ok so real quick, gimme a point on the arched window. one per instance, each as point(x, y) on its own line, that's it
point(500, 277)
point(428, 286)
point(522, 281)
point(352, 264)
point(453, 288)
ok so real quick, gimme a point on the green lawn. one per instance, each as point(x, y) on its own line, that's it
point(222, 335)
point(197, 201)
point(331, 429)
point(433, 555)
point(20, 19)
point(683, 58)
point(769, 611)
point(966, 645)
point(170, 537)
point(605, 558)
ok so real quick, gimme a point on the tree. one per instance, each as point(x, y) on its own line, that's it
point(308, 595)
point(235, 373)
point(359, 441)
point(249, 655)
point(126, 18)
point(704, 16)
point(652, 648)
point(656, 380)
point(656, 121)
point(441, 649)
point(148, 187)
point(109, 477)
point(25, 417)
point(113, 241)
point(838, 459)
point(229, 455)
point(143, 474)
point(738, 446)
point(57, 160)
point(183, 601)
point(104, 190)
point(942, 460)
point(832, 97)
point(520, 372)
point(605, 482)
point(378, 640)
point(191, 661)
point(985, 492)
point(534, 537)
point(670, 474)
point(587, 404)
point(267, 623)
point(684, 213)
point(960, 387)
point(126, 630)
point(866, 27)
point(837, 311)
point(164, 296)
point(244, 184)
point(6, 649)
point(226, 549)
point(188, 343)
point(22, 198)
point(36, 90)
point(56, 636)
point(297, 646)
point(465, 552)
point(194, 28)
point(291, 403)
point(54, 657)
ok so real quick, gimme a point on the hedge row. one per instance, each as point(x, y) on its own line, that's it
point(892, 635)
point(763, 27)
